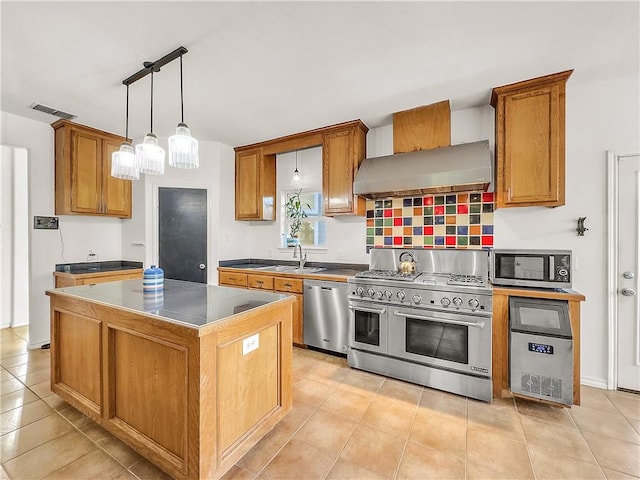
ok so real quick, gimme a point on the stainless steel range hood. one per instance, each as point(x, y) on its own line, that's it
point(458, 168)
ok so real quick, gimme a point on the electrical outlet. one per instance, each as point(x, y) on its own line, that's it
point(45, 223)
point(250, 344)
point(342, 255)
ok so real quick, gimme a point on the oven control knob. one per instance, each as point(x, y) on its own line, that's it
point(474, 303)
point(388, 294)
point(401, 295)
point(371, 292)
point(457, 301)
point(445, 301)
point(416, 298)
point(379, 294)
point(359, 291)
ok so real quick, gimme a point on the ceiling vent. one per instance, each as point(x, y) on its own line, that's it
point(52, 111)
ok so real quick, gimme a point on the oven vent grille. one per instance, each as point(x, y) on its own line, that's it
point(541, 385)
point(52, 111)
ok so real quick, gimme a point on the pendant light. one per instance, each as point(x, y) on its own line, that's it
point(149, 154)
point(296, 179)
point(183, 148)
point(123, 161)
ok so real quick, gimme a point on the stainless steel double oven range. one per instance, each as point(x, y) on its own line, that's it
point(431, 327)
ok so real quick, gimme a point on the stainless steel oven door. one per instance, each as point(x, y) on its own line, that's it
point(368, 326)
point(461, 342)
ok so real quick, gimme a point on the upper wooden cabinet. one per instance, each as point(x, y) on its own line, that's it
point(422, 128)
point(84, 185)
point(255, 185)
point(343, 150)
point(530, 131)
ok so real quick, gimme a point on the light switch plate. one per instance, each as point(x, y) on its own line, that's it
point(250, 344)
point(46, 223)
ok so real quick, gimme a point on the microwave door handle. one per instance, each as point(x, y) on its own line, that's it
point(441, 320)
point(552, 268)
point(369, 310)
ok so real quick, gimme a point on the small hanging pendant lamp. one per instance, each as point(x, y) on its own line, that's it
point(149, 154)
point(123, 161)
point(183, 148)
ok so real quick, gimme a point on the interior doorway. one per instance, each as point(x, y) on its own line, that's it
point(624, 268)
point(182, 233)
point(14, 237)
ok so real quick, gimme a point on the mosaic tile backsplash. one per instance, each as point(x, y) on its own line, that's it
point(463, 220)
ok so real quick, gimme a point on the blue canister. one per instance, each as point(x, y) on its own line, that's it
point(153, 279)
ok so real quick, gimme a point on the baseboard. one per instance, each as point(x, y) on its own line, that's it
point(593, 382)
point(37, 345)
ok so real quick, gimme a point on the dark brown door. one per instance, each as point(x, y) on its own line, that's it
point(182, 214)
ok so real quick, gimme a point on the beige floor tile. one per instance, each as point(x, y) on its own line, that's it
point(559, 439)
point(420, 462)
point(346, 404)
point(145, 470)
point(5, 375)
point(374, 450)
point(126, 475)
point(452, 405)
point(37, 377)
point(326, 431)
point(549, 466)
point(74, 416)
point(94, 465)
point(13, 350)
point(32, 435)
point(544, 411)
point(293, 420)
point(297, 460)
point(46, 459)
point(405, 393)
point(394, 418)
point(615, 475)
point(615, 454)
point(596, 398)
point(20, 371)
point(488, 416)
point(329, 373)
point(609, 424)
point(303, 366)
point(498, 453)
point(311, 392)
point(635, 423)
point(55, 401)
point(21, 331)
point(10, 385)
point(31, 356)
point(482, 471)
point(344, 470)
point(361, 383)
point(21, 416)
point(16, 399)
point(3, 473)
point(629, 405)
point(122, 453)
point(436, 431)
point(262, 452)
point(42, 389)
point(237, 473)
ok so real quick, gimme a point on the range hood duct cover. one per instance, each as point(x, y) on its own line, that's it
point(458, 168)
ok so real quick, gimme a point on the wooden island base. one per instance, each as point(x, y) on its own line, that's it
point(188, 399)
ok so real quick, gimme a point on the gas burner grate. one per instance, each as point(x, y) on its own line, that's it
point(387, 274)
point(461, 279)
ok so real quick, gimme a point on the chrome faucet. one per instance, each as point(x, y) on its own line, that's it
point(295, 255)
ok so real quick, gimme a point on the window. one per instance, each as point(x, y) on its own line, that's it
point(313, 228)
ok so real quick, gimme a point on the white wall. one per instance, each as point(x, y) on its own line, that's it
point(80, 234)
point(6, 240)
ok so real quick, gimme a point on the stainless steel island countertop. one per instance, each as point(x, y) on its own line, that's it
point(190, 304)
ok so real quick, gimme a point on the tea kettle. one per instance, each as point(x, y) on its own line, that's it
point(407, 266)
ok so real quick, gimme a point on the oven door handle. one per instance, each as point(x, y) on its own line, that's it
point(370, 310)
point(441, 320)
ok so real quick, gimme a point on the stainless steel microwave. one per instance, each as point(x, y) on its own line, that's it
point(531, 268)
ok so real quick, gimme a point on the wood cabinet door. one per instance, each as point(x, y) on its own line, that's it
point(248, 201)
point(298, 322)
point(116, 193)
point(86, 175)
point(338, 172)
point(532, 148)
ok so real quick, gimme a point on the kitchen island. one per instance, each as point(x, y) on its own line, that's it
point(191, 378)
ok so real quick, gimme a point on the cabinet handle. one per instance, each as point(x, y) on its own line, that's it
point(288, 285)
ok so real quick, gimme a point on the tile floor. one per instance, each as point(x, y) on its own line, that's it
point(344, 424)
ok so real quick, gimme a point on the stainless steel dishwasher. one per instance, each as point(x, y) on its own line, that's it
point(326, 315)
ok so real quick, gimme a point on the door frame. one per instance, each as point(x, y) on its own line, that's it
point(613, 173)
point(156, 186)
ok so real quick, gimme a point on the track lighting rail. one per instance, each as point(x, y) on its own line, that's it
point(155, 66)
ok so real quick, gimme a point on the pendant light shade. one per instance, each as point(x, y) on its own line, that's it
point(296, 179)
point(183, 148)
point(123, 162)
point(149, 154)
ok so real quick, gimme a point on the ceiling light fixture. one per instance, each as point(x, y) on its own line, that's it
point(296, 179)
point(183, 148)
point(123, 161)
point(149, 153)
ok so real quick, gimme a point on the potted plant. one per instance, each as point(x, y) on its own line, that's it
point(294, 209)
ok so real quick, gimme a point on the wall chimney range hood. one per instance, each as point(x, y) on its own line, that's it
point(458, 168)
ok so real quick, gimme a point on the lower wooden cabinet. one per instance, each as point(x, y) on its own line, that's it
point(64, 279)
point(271, 283)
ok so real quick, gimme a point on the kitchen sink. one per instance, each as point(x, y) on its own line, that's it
point(306, 270)
point(277, 268)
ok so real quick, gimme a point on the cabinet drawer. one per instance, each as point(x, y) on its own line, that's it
point(236, 279)
point(262, 282)
point(293, 285)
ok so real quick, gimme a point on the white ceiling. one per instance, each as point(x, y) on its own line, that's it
point(260, 70)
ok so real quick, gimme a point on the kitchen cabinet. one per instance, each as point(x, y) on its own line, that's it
point(83, 181)
point(343, 150)
point(530, 142)
point(500, 328)
point(255, 185)
point(64, 279)
point(274, 284)
point(422, 128)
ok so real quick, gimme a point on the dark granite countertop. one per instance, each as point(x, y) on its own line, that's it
point(95, 267)
point(330, 269)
